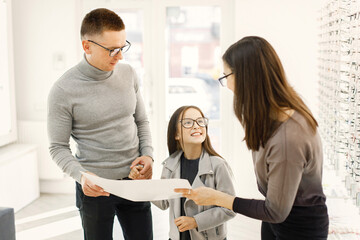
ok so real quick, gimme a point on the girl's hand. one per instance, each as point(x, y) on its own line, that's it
point(185, 223)
point(135, 172)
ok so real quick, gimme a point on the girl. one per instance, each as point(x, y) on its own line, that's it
point(193, 158)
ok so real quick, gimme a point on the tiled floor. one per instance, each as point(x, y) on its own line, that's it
point(55, 217)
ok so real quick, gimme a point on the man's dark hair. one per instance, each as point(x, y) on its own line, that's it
point(99, 20)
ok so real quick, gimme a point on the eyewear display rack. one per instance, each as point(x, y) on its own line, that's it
point(339, 90)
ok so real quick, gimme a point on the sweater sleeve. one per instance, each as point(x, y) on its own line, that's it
point(142, 122)
point(59, 126)
point(286, 161)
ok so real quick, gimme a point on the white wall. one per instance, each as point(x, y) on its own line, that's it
point(292, 28)
point(46, 43)
point(43, 29)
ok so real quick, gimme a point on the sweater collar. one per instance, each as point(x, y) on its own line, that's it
point(92, 73)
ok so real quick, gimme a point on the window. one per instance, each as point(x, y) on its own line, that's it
point(193, 61)
point(7, 108)
point(193, 43)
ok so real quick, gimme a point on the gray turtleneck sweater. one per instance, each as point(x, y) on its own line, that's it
point(105, 115)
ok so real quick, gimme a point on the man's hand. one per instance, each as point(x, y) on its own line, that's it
point(91, 189)
point(135, 172)
point(147, 162)
point(185, 223)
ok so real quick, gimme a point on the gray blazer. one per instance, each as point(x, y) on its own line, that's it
point(213, 172)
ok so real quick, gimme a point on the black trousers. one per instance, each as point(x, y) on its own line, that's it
point(302, 223)
point(97, 215)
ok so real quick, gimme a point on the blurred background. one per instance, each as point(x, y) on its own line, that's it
point(176, 50)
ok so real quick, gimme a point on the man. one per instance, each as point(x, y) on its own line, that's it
point(98, 104)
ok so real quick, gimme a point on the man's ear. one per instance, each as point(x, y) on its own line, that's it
point(86, 46)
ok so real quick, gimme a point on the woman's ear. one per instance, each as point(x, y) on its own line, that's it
point(177, 137)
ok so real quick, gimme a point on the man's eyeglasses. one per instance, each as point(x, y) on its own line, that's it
point(114, 52)
point(189, 123)
point(223, 79)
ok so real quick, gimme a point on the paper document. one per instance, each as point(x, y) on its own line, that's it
point(140, 190)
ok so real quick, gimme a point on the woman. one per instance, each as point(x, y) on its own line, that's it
point(287, 152)
point(192, 157)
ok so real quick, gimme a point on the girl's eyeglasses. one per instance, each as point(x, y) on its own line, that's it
point(189, 123)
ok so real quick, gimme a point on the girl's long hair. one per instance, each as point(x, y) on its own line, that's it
point(262, 91)
point(173, 144)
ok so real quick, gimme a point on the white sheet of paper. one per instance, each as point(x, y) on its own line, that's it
point(140, 190)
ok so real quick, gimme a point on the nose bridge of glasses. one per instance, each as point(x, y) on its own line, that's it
point(196, 124)
point(120, 50)
point(116, 53)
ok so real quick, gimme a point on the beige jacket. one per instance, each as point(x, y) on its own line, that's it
point(213, 172)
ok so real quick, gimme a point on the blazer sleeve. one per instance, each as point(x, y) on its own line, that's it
point(163, 204)
point(216, 216)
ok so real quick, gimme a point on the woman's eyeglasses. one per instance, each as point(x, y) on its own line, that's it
point(223, 80)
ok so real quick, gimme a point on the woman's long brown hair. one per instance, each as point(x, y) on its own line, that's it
point(261, 90)
point(173, 144)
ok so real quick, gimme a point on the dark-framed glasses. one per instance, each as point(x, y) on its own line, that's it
point(223, 80)
point(189, 123)
point(115, 51)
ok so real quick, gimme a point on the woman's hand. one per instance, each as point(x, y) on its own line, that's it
point(207, 196)
point(185, 223)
